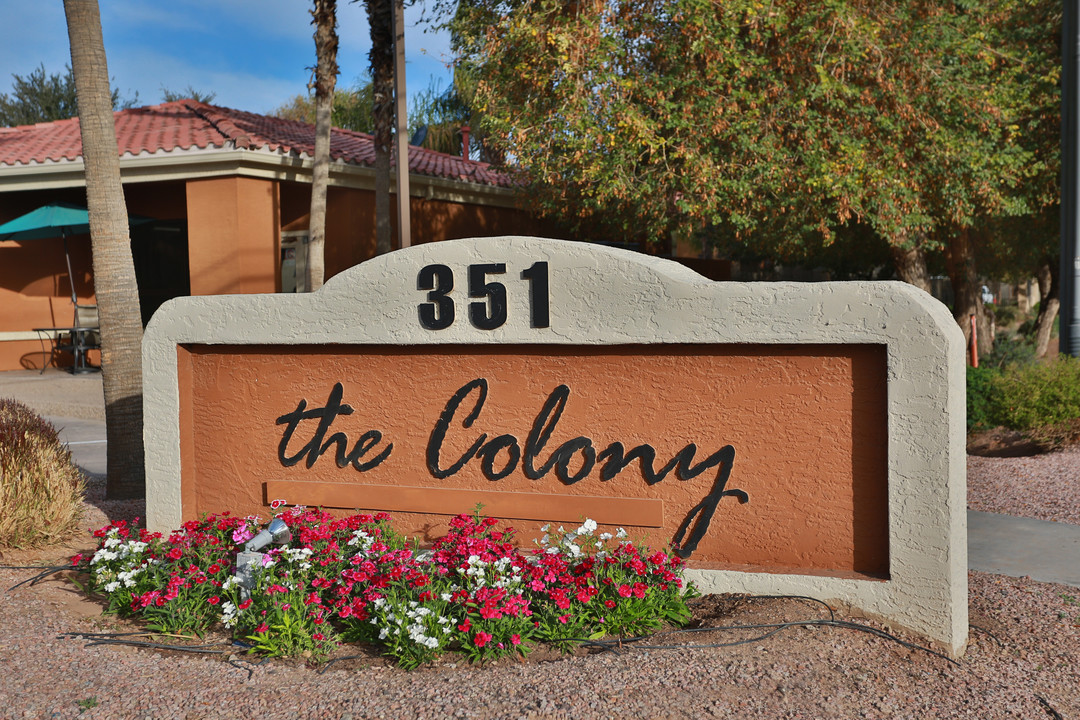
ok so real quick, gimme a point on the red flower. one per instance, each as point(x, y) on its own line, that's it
point(213, 600)
point(464, 627)
point(624, 590)
point(481, 639)
point(515, 639)
point(262, 628)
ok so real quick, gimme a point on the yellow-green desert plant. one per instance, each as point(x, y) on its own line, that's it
point(41, 490)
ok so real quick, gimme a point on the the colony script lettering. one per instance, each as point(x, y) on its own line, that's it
point(498, 457)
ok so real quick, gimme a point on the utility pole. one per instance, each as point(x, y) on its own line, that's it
point(1070, 183)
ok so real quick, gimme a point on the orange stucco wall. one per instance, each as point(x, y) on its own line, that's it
point(35, 290)
point(350, 222)
point(233, 235)
point(234, 226)
point(807, 424)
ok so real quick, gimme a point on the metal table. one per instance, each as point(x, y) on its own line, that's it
point(77, 343)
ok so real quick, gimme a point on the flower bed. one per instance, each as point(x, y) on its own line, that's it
point(355, 580)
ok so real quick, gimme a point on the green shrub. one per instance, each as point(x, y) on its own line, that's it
point(981, 410)
point(41, 490)
point(1040, 400)
point(1009, 349)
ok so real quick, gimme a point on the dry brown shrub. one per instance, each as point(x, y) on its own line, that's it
point(41, 490)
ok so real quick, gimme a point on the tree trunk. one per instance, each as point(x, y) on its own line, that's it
point(114, 271)
point(381, 21)
point(910, 263)
point(967, 298)
point(1048, 304)
point(326, 70)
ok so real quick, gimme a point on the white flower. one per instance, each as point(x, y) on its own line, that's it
point(621, 534)
point(112, 586)
point(587, 528)
point(606, 536)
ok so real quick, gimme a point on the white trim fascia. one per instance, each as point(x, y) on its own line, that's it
point(262, 164)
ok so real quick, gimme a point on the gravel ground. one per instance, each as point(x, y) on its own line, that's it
point(1023, 660)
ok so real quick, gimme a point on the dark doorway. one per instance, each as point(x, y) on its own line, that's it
point(160, 253)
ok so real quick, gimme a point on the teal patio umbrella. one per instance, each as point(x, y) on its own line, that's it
point(55, 220)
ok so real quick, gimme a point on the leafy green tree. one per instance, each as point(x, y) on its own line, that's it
point(776, 124)
point(353, 107)
point(41, 97)
point(188, 93)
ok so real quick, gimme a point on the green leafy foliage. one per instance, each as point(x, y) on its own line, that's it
point(774, 123)
point(1041, 400)
point(40, 97)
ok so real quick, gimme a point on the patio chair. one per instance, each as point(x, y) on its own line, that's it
point(84, 335)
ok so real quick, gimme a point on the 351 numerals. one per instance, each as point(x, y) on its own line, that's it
point(487, 310)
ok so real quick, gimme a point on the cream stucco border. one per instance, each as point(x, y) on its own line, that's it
point(604, 296)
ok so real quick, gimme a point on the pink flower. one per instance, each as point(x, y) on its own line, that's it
point(624, 590)
point(515, 639)
point(275, 504)
point(242, 534)
point(564, 619)
point(481, 639)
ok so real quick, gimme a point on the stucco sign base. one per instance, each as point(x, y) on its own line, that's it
point(788, 438)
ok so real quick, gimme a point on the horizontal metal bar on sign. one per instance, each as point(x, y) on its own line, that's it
point(638, 512)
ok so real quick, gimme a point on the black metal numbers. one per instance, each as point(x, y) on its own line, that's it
point(487, 310)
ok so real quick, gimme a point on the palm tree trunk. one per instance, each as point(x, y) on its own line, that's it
point(114, 271)
point(326, 70)
point(381, 21)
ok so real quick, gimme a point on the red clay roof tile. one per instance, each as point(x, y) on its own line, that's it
point(187, 124)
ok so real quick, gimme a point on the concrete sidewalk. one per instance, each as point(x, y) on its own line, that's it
point(1000, 544)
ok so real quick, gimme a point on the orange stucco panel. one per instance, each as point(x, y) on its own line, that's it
point(233, 235)
point(806, 424)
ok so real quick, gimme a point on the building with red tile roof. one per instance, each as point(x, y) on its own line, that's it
point(229, 192)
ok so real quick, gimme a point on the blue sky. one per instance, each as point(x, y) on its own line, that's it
point(254, 54)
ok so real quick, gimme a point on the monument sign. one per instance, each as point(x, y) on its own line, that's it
point(784, 437)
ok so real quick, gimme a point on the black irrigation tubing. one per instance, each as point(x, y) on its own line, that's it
point(614, 645)
point(203, 649)
point(984, 630)
point(104, 635)
point(41, 576)
point(1049, 708)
